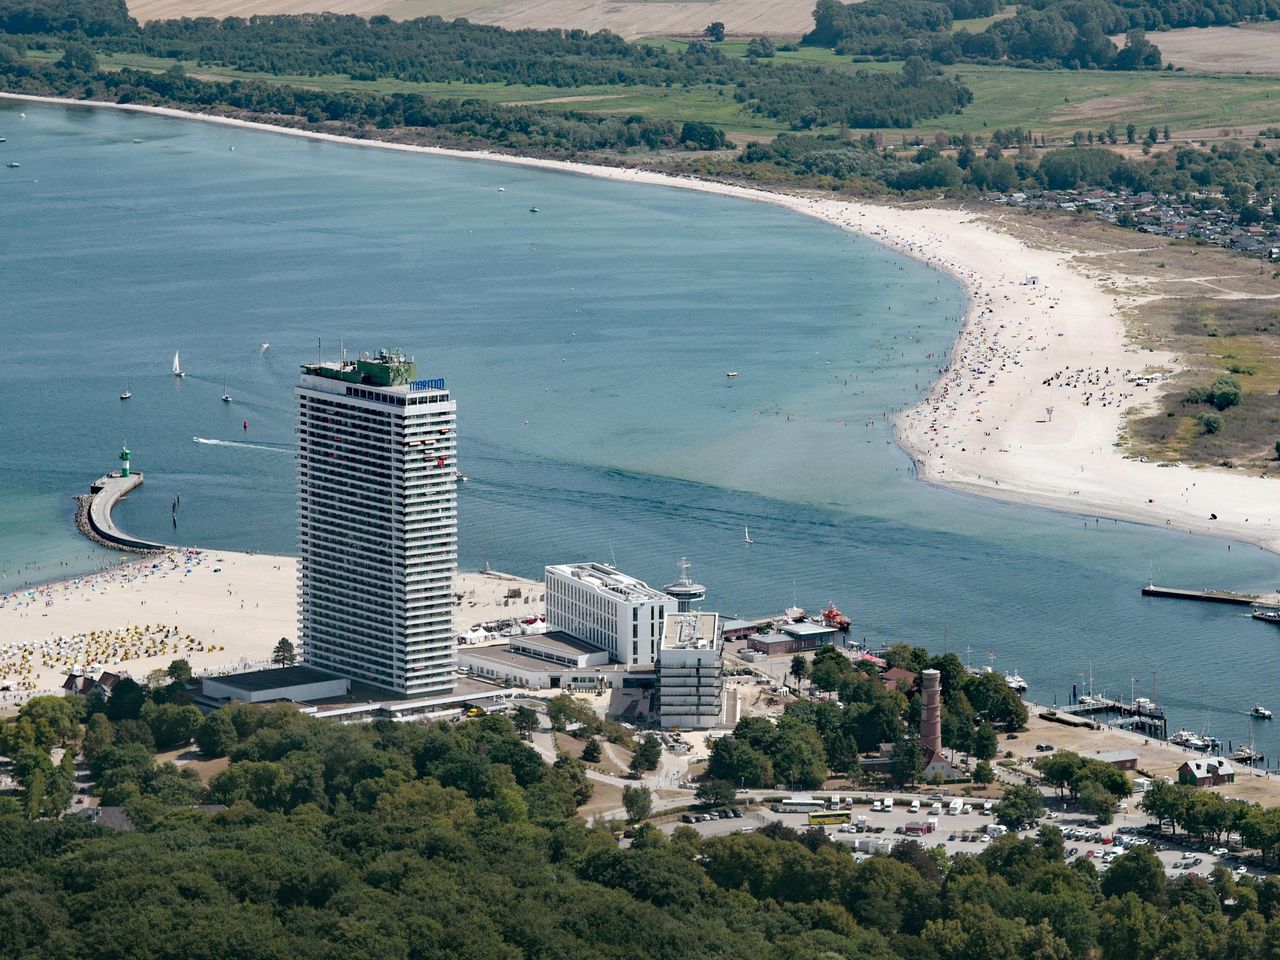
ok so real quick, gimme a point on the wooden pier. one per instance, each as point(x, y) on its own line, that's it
point(1269, 600)
point(1149, 717)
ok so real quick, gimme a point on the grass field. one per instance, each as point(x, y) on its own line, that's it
point(709, 104)
point(1051, 102)
point(978, 24)
point(1248, 48)
point(628, 18)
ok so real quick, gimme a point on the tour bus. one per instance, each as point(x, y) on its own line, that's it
point(802, 805)
point(828, 817)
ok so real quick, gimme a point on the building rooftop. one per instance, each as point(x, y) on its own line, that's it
point(1115, 756)
point(258, 680)
point(806, 629)
point(558, 641)
point(1209, 766)
point(691, 631)
point(606, 579)
point(506, 657)
point(390, 368)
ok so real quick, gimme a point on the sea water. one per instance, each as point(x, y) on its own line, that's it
point(587, 346)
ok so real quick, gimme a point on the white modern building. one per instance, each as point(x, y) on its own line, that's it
point(691, 672)
point(612, 611)
point(377, 523)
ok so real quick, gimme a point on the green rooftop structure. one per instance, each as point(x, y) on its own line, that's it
point(390, 368)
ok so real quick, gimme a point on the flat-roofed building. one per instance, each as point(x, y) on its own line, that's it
point(560, 648)
point(691, 671)
point(793, 638)
point(377, 523)
point(608, 609)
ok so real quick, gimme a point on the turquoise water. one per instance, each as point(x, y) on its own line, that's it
point(587, 347)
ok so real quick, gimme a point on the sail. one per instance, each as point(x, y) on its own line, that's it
point(177, 367)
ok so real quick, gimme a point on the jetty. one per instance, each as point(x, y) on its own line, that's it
point(1269, 600)
point(1142, 715)
point(93, 510)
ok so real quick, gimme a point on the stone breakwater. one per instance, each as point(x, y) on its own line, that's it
point(93, 514)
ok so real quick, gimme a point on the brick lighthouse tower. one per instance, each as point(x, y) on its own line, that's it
point(931, 720)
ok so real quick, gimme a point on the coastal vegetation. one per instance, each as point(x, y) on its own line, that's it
point(423, 841)
point(814, 739)
point(1048, 32)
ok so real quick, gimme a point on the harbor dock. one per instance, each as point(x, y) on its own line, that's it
point(1268, 600)
point(1141, 715)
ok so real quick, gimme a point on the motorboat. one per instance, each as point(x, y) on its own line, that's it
point(731, 374)
point(1260, 712)
point(1015, 682)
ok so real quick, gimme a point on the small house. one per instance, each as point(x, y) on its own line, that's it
point(1206, 772)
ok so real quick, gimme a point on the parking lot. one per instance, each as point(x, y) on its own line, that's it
point(966, 833)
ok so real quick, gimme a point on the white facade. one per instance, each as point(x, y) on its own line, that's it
point(615, 612)
point(377, 524)
point(691, 672)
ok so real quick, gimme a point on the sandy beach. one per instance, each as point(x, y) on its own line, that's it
point(219, 610)
point(985, 425)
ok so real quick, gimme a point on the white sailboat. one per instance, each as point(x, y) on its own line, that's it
point(128, 392)
point(177, 366)
point(226, 397)
point(746, 535)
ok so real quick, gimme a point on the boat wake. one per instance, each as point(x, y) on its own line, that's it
point(268, 447)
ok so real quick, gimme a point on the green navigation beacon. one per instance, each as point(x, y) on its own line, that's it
point(124, 461)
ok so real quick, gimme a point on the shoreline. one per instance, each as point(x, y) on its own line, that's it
point(221, 610)
point(1023, 348)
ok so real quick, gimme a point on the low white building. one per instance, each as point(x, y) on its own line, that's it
point(608, 609)
point(691, 672)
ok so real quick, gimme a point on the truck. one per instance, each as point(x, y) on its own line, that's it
point(935, 810)
point(918, 828)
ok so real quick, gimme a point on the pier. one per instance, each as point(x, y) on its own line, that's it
point(93, 513)
point(1139, 715)
point(1268, 600)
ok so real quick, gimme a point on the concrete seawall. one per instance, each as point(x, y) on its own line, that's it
point(93, 514)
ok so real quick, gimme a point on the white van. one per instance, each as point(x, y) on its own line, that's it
point(936, 809)
point(915, 806)
point(888, 804)
point(875, 806)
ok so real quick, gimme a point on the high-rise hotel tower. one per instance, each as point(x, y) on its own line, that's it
point(377, 523)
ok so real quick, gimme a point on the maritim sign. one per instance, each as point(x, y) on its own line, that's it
point(437, 384)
